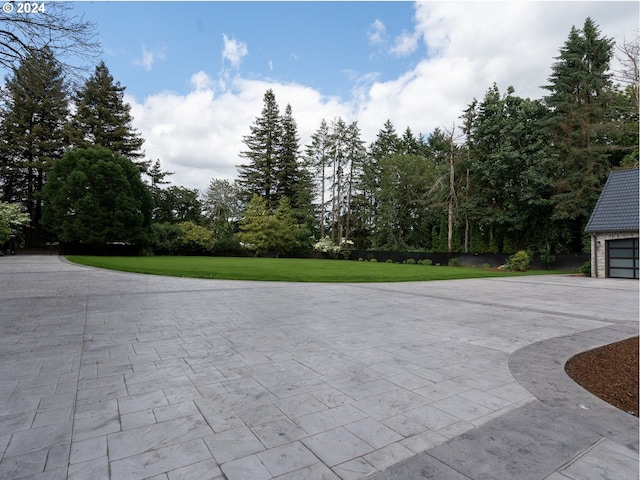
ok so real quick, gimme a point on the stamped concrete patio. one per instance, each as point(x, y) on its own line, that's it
point(111, 375)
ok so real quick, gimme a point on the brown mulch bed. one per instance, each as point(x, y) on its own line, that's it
point(610, 373)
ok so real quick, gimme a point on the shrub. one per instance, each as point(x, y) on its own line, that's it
point(426, 261)
point(389, 260)
point(547, 257)
point(585, 269)
point(228, 245)
point(410, 261)
point(373, 260)
point(486, 265)
point(361, 259)
point(454, 262)
point(195, 239)
point(326, 246)
point(519, 261)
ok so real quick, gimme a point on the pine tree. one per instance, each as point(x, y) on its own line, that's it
point(103, 118)
point(264, 149)
point(386, 143)
point(292, 179)
point(580, 93)
point(511, 171)
point(32, 132)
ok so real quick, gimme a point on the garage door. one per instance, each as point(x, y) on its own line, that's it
point(622, 258)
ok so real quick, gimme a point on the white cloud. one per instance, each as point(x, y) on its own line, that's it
point(148, 57)
point(377, 33)
point(470, 46)
point(405, 44)
point(199, 135)
point(233, 51)
point(201, 81)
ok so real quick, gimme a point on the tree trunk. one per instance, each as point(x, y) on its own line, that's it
point(452, 194)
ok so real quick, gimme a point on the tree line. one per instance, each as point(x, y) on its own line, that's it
point(513, 174)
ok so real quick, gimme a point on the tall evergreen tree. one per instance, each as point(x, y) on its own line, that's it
point(32, 132)
point(264, 150)
point(318, 160)
point(511, 171)
point(356, 153)
point(580, 93)
point(103, 117)
point(292, 179)
point(387, 142)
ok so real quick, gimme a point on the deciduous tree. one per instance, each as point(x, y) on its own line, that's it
point(95, 195)
point(53, 25)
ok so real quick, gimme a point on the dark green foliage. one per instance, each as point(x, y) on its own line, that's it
point(585, 269)
point(547, 257)
point(403, 201)
point(176, 205)
point(511, 176)
point(185, 238)
point(264, 148)
point(32, 132)
point(275, 172)
point(581, 92)
point(103, 118)
point(97, 196)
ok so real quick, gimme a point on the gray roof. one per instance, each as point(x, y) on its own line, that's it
point(617, 208)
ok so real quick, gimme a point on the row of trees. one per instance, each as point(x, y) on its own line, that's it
point(514, 174)
point(42, 119)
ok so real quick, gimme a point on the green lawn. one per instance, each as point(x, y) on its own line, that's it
point(289, 269)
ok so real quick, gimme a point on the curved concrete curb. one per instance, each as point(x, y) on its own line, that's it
point(566, 433)
point(540, 369)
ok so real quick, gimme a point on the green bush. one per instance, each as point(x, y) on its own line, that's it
point(426, 261)
point(519, 261)
point(547, 257)
point(486, 265)
point(373, 260)
point(361, 259)
point(184, 238)
point(585, 269)
point(454, 262)
point(389, 260)
point(410, 261)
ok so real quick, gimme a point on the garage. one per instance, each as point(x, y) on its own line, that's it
point(622, 258)
point(614, 227)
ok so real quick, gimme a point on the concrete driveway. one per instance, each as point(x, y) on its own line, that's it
point(111, 375)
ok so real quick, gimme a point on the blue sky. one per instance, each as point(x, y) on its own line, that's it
point(329, 46)
point(196, 72)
